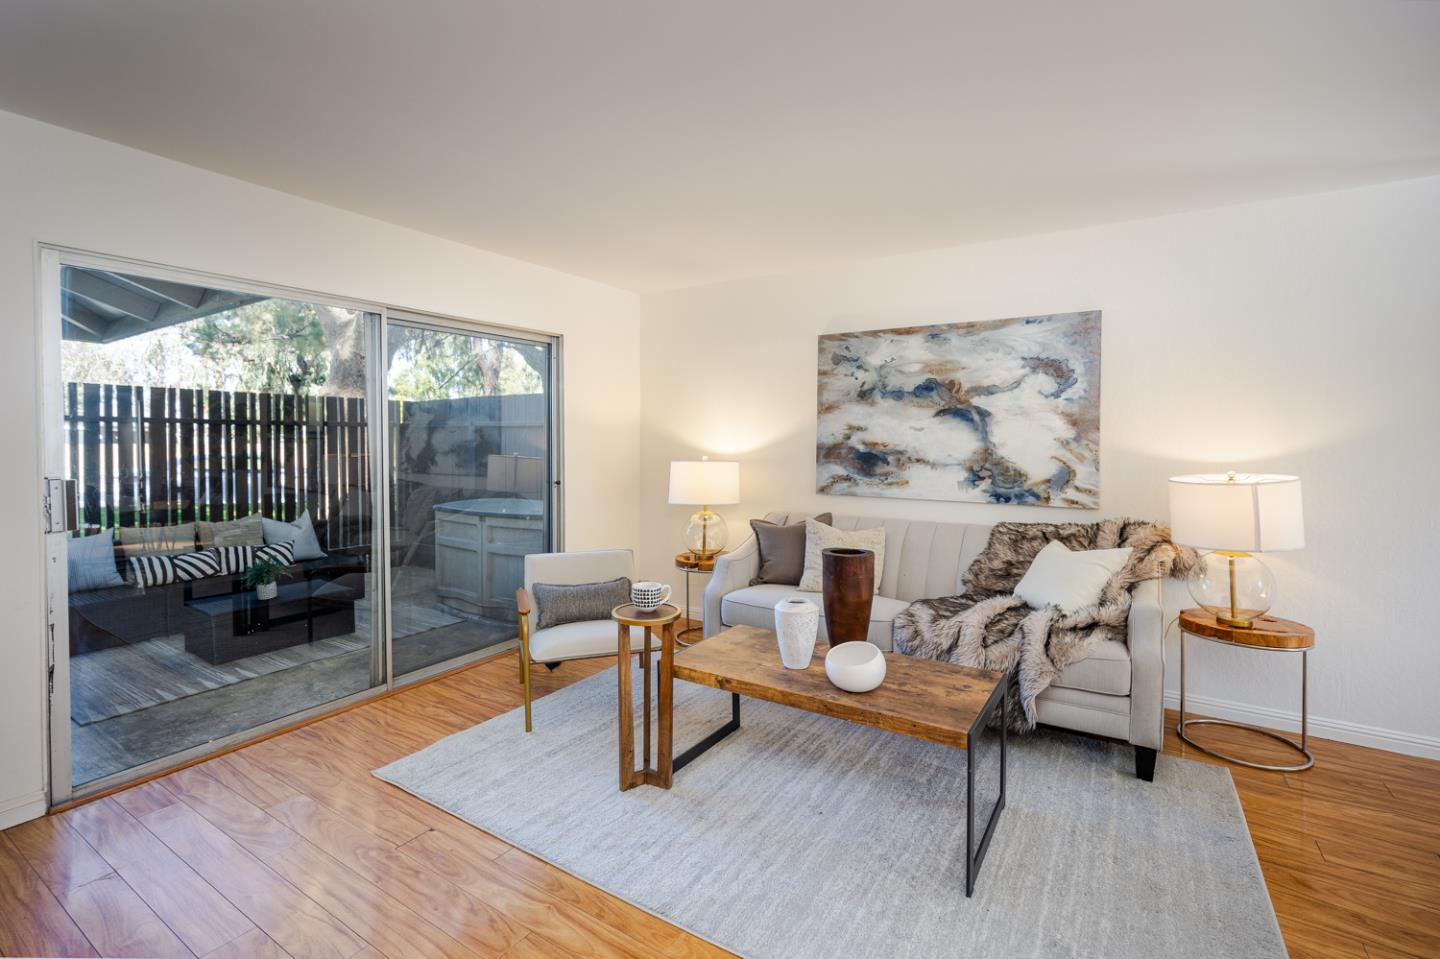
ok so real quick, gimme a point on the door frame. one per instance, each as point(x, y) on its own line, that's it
point(51, 259)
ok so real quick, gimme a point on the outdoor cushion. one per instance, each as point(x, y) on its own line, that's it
point(300, 535)
point(239, 532)
point(90, 562)
point(157, 540)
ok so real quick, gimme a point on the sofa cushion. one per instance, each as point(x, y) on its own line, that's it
point(1069, 578)
point(782, 551)
point(596, 637)
point(755, 606)
point(821, 536)
point(560, 603)
point(1106, 670)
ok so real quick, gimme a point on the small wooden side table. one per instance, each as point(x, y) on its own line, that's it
point(662, 618)
point(1269, 633)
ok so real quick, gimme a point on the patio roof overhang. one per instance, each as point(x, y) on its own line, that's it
point(102, 307)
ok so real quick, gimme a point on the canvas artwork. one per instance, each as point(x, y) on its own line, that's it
point(1006, 411)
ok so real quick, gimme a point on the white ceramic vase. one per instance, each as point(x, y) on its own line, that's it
point(797, 621)
point(267, 591)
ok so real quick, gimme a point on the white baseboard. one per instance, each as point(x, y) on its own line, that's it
point(23, 809)
point(1425, 747)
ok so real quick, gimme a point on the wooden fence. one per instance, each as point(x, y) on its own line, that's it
point(154, 456)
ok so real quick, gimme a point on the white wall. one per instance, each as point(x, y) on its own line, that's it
point(60, 187)
point(1298, 336)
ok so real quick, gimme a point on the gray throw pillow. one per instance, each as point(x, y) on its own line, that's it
point(300, 535)
point(782, 551)
point(90, 562)
point(556, 605)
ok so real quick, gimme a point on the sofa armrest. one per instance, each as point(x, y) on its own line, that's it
point(733, 571)
point(1146, 629)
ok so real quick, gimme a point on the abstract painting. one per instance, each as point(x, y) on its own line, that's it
point(1006, 411)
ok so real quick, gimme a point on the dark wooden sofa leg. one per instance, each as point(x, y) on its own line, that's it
point(1145, 763)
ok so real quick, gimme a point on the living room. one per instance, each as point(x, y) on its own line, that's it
point(365, 361)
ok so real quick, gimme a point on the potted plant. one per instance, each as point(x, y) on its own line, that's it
point(263, 574)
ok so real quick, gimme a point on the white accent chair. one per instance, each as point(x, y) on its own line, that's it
point(1117, 692)
point(586, 640)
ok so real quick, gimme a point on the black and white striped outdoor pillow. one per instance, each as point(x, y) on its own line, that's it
point(233, 559)
point(284, 552)
point(152, 570)
point(196, 565)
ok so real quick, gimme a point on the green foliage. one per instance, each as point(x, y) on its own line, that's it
point(274, 346)
point(288, 346)
point(431, 365)
point(265, 570)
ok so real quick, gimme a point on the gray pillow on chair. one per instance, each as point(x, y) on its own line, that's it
point(782, 550)
point(556, 605)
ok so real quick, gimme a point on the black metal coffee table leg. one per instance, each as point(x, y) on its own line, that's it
point(694, 752)
point(974, 854)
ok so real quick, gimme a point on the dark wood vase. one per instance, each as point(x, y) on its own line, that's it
point(848, 589)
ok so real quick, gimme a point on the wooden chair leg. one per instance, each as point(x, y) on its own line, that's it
point(525, 682)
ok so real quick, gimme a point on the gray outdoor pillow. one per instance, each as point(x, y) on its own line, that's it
point(782, 550)
point(556, 605)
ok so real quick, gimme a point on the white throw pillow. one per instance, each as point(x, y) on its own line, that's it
point(90, 562)
point(299, 535)
point(1070, 579)
point(818, 537)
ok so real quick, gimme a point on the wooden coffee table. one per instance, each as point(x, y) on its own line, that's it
point(937, 702)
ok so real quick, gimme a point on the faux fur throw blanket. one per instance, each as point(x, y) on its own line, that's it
point(989, 627)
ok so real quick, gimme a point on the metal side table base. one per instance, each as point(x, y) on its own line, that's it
point(1302, 747)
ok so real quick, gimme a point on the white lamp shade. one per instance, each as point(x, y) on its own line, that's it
point(1237, 512)
point(704, 483)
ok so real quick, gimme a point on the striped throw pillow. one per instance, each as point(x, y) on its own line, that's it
point(284, 552)
point(195, 565)
point(151, 570)
point(158, 570)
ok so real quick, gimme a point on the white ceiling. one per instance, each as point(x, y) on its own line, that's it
point(662, 143)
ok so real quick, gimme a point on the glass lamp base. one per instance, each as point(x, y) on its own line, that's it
point(1234, 587)
point(705, 536)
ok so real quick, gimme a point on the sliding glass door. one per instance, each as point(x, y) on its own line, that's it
point(262, 504)
point(219, 559)
point(470, 485)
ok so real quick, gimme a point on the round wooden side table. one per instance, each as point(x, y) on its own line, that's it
point(1268, 634)
point(662, 618)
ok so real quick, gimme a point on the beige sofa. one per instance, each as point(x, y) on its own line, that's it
point(1117, 692)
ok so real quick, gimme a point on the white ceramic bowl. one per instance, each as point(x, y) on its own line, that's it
point(855, 667)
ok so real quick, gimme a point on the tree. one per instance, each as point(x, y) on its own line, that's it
point(433, 365)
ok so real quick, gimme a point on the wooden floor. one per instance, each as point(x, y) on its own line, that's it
point(291, 848)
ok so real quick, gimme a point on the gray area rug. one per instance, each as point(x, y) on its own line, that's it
point(802, 836)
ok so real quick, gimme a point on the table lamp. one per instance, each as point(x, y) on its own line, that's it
point(1234, 515)
point(704, 483)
